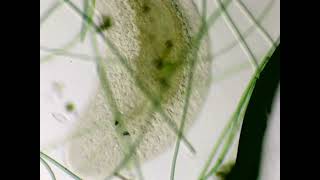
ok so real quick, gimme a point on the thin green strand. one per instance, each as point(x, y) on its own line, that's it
point(46, 165)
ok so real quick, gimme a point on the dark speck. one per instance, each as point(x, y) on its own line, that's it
point(164, 82)
point(159, 63)
point(145, 8)
point(126, 133)
point(169, 44)
point(70, 107)
point(116, 123)
point(106, 23)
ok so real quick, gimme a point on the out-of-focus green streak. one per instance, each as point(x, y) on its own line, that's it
point(49, 12)
point(62, 52)
point(89, 7)
point(65, 47)
point(250, 16)
point(247, 32)
point(231, 71)
point(238, 35)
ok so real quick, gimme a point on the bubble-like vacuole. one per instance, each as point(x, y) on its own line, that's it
point(153, 36)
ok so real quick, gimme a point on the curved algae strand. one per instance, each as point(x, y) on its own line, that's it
point(153, 36)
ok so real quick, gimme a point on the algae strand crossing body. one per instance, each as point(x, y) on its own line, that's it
point(153, 36)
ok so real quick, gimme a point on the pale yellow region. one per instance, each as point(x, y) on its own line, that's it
point(144, 32)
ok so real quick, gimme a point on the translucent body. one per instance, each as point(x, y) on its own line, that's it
point(154, 37)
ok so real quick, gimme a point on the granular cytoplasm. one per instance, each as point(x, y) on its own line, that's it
point(154, 37)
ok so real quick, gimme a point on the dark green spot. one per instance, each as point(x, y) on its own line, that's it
point(159, 63)
point(169, 44)
point(225, 170)
point(116, 123)
point(106, 23)
point(167, 69)
point(126, 133)
point(70, 107)
point(164, 82)
point(156, 103)
point(145, 8)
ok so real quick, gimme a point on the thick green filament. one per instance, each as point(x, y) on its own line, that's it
point(55, 6)
point(234, 123)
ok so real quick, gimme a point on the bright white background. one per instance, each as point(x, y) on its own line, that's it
point(79, 82)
